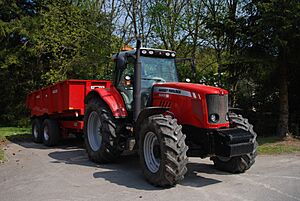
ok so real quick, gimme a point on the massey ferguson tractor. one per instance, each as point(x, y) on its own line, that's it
point(145, 108)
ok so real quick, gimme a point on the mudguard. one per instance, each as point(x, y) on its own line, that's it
point(112, 98)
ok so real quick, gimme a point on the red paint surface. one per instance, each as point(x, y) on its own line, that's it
point(66, 98)
point(189, 110)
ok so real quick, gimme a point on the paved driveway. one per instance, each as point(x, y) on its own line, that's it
point(35, 172)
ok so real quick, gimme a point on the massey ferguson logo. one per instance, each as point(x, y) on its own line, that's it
point(172, 91)
point(165, 90)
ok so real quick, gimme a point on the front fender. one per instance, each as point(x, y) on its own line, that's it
point(112, 98)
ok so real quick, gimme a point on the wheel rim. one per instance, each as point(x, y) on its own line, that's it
point(151, 152)
point(46, 133)
point(94, 132)
point(35, 131)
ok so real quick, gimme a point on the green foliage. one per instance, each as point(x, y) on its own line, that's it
point(275, 35)
point(43, 42)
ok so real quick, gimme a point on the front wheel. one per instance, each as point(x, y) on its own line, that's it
point(162, 150)
point(238, 164)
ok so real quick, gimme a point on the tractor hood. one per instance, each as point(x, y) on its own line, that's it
point(184, 88)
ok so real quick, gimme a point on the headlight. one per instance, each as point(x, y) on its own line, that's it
point(214, 118)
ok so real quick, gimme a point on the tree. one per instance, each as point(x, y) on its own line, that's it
point(43, 42)
point(276, 29)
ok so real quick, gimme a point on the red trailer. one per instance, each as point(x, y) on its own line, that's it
point(62, 106)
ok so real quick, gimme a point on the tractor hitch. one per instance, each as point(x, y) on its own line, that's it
point(231, 142)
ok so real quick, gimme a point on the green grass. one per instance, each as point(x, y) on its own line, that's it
point(276, 145)
point(9, 133)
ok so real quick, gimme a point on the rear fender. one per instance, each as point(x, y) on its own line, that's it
point(112, 98)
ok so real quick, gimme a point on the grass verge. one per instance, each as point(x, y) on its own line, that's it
point(11, 133)
point(276, 145)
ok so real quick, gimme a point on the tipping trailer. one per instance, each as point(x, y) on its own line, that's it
point(60, 108)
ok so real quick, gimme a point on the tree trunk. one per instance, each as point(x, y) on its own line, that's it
point(283, 123)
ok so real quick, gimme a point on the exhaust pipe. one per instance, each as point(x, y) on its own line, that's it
point(137, 82)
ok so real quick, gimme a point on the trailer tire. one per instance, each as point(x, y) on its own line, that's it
point(238, 164)
point(51, 135)
point(37, 131)
point(162, 150)
point(100, 134)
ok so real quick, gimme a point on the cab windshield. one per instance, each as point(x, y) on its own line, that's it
point(157, 70)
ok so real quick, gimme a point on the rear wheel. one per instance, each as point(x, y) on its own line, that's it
point(162, 150)
point(51, 135)
point(238, 164)
point(100, 133)
point(37, 131)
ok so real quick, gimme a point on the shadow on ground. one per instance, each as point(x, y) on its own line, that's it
point(125, 172)
point(25, 140)
point(24, 137)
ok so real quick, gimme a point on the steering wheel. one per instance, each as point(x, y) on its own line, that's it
point(156, 79)
point(159, 79)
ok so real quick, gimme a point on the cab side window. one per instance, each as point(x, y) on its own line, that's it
point(126, 85)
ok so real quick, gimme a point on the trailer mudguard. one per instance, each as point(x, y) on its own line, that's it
point(112, 98)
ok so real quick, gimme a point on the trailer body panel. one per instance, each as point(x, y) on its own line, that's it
point(64, 99)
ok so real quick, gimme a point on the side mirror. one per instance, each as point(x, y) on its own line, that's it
point(121, 62)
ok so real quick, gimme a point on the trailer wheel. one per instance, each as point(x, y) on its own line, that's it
point(238, 164)
point(100, 133)
point(36, 130)
point(51, 135)
point(162, 150)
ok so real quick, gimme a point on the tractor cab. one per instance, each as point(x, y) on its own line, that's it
point(156, 66)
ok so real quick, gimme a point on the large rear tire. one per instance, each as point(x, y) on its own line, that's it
point(100, 134)
point(162, 150)
point(238, 164)
point(37, 130)
point(51, 135)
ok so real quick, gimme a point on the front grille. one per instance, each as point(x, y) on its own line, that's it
point(217, 104)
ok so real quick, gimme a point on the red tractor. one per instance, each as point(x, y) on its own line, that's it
point(147, 109)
